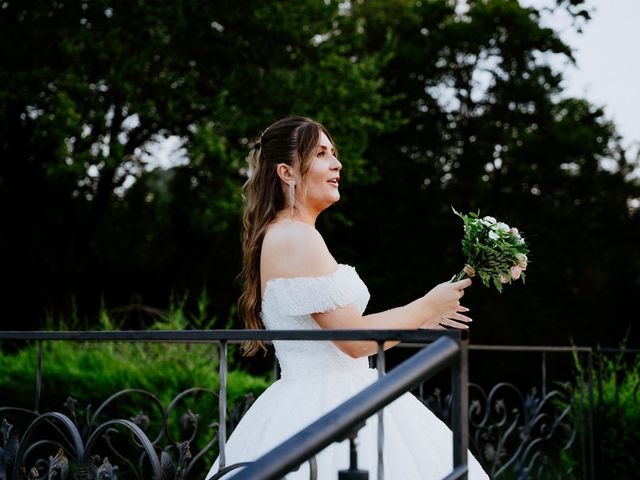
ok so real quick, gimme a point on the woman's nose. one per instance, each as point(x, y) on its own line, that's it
point(336, 165)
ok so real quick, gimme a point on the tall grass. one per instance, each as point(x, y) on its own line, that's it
point(616, 405)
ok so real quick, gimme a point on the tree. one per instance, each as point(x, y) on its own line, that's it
point(91, 84)
point(433, 105)
point(485, 127)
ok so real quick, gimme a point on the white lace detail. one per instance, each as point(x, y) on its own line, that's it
point(306, 295)
point(288, 304)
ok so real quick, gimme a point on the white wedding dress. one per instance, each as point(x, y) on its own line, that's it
point(317, 376)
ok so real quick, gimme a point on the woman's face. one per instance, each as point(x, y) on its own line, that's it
point(320, 185)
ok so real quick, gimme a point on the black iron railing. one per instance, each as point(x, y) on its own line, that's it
point(531, 427)
point(347, 418)
point(539, 423)
point(517, 430)
point(78, 441)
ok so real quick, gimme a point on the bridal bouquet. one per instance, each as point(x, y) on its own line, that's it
point(495, 251)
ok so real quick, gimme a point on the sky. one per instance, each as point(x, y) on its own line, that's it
point(607, 70)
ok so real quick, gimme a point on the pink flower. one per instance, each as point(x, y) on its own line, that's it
point(514, 231)
point(504, 278)
point(516, 270)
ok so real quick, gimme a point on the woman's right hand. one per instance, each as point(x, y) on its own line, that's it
point(443, 305)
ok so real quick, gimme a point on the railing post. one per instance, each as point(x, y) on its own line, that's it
point(380, 365)
point(222, 404)
point(276, 368)
point(598, 410)
point(354, 473)
point(592, 452)
point(38, 378)
point(460, 405)
point(544, 374)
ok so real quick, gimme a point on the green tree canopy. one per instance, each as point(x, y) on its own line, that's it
point(433, 105)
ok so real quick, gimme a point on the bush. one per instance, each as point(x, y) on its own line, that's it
point(91, 372)
point(616, 391)
point(618, 414)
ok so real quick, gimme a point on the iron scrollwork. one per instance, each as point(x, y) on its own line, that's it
point(515, 435)
point(76, 435)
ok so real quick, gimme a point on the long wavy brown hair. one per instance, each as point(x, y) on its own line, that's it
point(293, 141)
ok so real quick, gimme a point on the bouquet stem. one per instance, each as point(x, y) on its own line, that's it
point(467, 271)
point(460, 276)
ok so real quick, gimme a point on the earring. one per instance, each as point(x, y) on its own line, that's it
point(292, 195)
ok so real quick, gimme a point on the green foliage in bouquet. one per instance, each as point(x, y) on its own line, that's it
point(496, 252)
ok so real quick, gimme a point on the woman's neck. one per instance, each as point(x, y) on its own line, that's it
point(299, 215)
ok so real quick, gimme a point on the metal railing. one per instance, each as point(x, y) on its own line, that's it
point(527, 427)
point(538, 410)
point(347, 418)
point(449, 348)
point(516, 428)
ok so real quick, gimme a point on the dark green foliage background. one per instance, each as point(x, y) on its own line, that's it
point(616, 418)
point(378, 75)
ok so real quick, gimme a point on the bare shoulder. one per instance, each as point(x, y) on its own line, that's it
point(294, 249)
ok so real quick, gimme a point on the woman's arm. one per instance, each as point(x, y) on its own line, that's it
point(438, 306)
point(298, 250)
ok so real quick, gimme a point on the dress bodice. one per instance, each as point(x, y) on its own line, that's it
point(288, 303)
point(317, 377)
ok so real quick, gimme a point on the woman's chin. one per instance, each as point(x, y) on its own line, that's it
point(328, 202)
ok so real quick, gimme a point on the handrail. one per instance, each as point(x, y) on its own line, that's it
point(233, 335)
point(344, 418)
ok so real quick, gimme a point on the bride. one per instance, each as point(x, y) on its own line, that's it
point(291, 281)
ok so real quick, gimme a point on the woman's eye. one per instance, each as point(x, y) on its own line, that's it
point(321, 153)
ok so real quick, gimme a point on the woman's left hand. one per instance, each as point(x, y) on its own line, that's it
point(453, 320)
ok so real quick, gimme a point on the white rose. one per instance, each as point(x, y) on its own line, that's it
point(490, 220)
point(522, 260)
point(502, 227)
point(493, 235)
